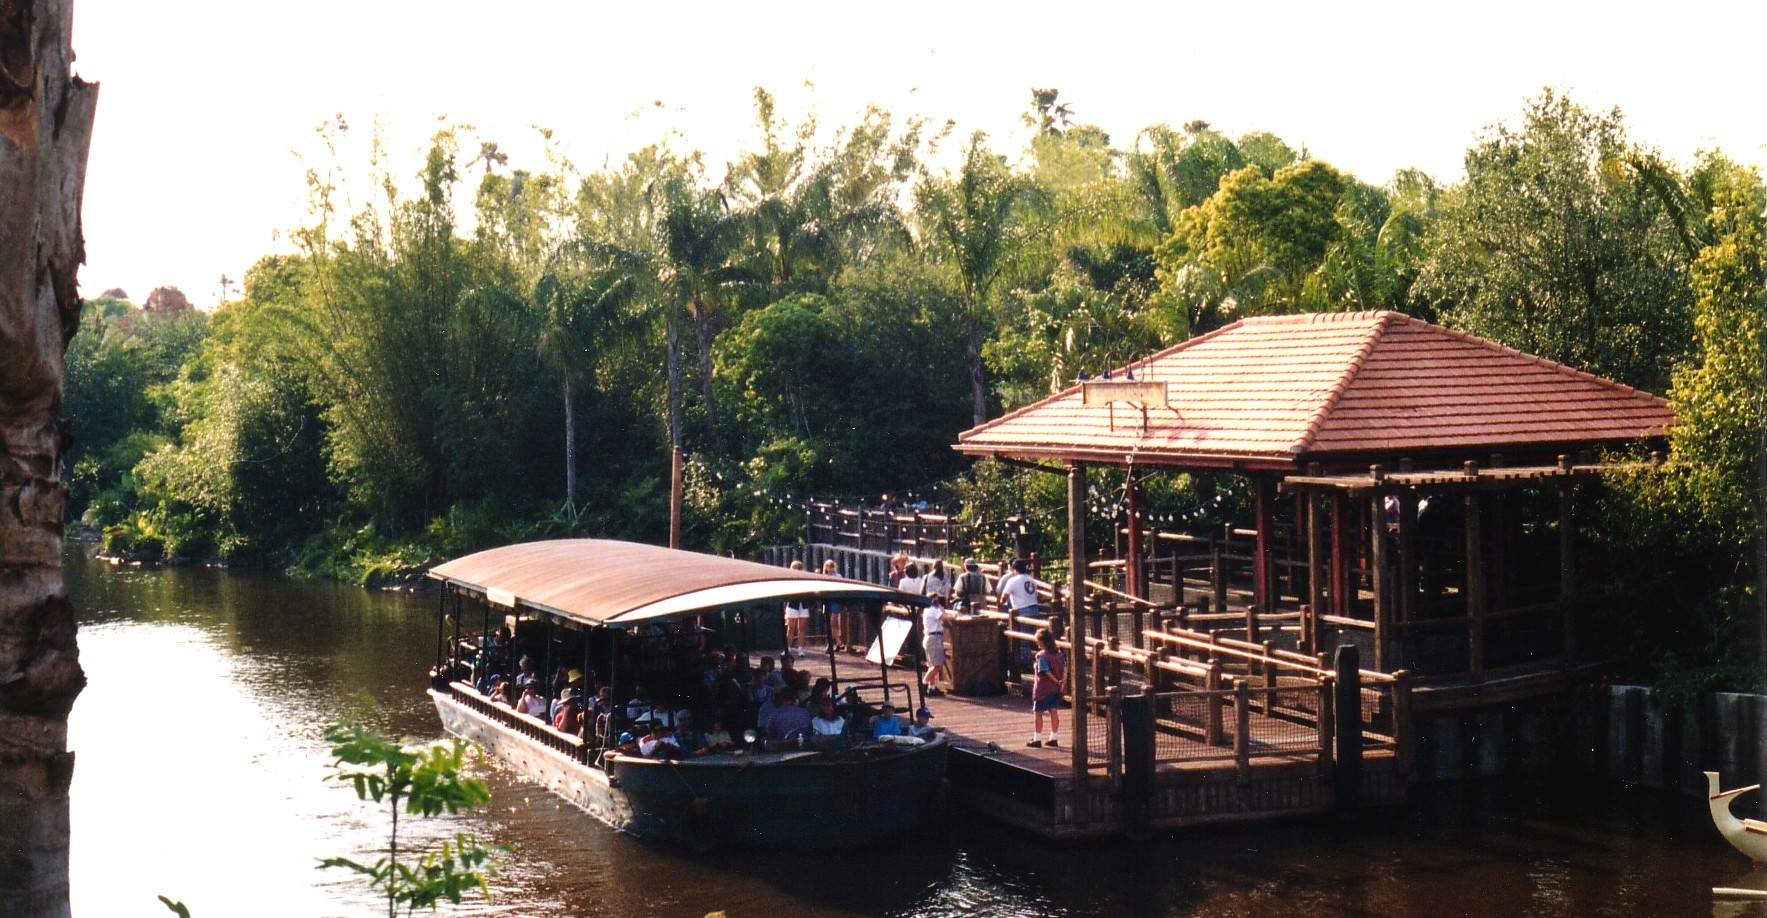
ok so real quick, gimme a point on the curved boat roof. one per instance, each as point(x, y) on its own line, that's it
point(621, 584)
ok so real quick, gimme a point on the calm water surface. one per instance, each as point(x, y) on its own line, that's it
point(200, 767)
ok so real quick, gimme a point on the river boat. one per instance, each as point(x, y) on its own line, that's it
point(625, 611)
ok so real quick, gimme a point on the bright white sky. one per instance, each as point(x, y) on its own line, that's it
point(203, 102)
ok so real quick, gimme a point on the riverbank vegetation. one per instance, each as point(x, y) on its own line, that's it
point(502, 351)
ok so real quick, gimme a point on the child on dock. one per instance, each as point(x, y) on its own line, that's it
point(1052, 670)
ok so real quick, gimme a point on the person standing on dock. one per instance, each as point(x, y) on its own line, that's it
point(1018, 591)
point(932, 640)
point(1052, 672)
point(797, 620)
point(972, 588)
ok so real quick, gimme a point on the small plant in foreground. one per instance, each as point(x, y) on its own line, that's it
point(421, 782)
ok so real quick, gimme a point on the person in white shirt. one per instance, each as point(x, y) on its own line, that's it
point(932, 627)
point(912, 581)
point(937, 582)
point(797, 620)
point(1018, 591)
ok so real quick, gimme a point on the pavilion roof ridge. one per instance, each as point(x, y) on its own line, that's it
point(1322, 411)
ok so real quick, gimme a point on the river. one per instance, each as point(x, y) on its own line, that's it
point(200, 770)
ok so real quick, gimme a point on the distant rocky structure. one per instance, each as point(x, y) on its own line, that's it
point(116, 293)
point(165, 301)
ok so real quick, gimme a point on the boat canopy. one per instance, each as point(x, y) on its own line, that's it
point(614, 584)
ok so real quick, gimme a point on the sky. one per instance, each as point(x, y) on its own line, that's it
point(207, 110)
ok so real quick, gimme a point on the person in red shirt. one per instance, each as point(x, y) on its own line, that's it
point(1052, 673)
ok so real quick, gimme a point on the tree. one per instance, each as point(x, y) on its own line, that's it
point(1556, 246)
point(972, 221)
point(45, 129)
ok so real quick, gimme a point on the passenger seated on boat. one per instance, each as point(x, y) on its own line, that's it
point(766, 682)
point(641, 707)
point(533, 703)
point(488, 684)
point(568, 718)
point(525, 674)
point(798, 680)
point(854, 708)
point(789, 720)
point(504, 693)
point(717, 739)
point(828, 724)
point(818, 694)
point(729, 699)
point(659, 743)
point(687, 735)
point(626, 745)
point(887, 723)
point(923, 728)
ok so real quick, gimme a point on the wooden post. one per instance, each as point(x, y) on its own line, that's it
point(675, 486)
point(1138, 764)
point(1113, 739)
point(1218, 572)
point(1567, 566)
point(1135, 571)
point(1316, 582)
point(1407, 559)
point(1475, 587)
point(1349, 728)
point(1212, 711)
point(1242, 731)
point(1077, 631)
point(1263, 548)
point(1340, 555)
point(1379, 565)
point(1327, 724)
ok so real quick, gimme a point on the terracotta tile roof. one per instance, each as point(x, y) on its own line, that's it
point(1282, 391)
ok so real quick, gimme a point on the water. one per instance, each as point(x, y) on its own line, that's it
point(200, 766)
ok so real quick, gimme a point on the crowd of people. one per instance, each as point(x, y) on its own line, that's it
point(691, 699)
point(724, 696)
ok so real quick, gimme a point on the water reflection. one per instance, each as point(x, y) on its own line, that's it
point(200, 759)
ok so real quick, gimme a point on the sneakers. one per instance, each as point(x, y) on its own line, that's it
point(934, 691)
point(1035, 744)
point(1053, 742)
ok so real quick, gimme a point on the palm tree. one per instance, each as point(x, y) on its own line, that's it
point(581, 310)
point(699, 237)
point(973, 222)
point(43, 168)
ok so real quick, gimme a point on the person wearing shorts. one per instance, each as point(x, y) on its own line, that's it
point(1051, 670)
point(797, 620)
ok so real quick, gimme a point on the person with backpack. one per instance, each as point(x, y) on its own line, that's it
point(972, 588)
point(1051, 669)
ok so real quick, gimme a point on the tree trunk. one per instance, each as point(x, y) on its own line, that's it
point(972, 350)
point(673, 361)
point(702, 329)
point(570, 446)
point(45, 129)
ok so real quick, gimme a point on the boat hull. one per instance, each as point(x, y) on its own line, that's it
point(848, 798)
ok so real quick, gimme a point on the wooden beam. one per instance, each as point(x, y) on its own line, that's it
point(1407, 556)
point(1379, 565)
point(1341, 555)
point(1077, 632)
point(1265, 489)
point(1476, 599)
point(1567, 572)
point(1315, 567)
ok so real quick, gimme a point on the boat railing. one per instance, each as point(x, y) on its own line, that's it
point(520, 723)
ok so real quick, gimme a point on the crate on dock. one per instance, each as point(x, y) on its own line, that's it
point(973, 663)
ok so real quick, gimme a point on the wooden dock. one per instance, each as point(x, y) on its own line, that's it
point(1256, 757)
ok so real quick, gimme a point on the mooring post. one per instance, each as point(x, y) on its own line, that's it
point(1242, 731)
point(1138, 764)
point(1348, 707)
point(1077, 635)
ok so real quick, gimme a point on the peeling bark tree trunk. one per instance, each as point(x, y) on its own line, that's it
point(45, 128)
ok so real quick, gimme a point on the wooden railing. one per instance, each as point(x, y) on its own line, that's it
point(529, 727)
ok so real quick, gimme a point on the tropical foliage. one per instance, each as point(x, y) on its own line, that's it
point(825, 312)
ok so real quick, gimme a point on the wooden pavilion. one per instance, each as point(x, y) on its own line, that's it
point(1415, 488)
